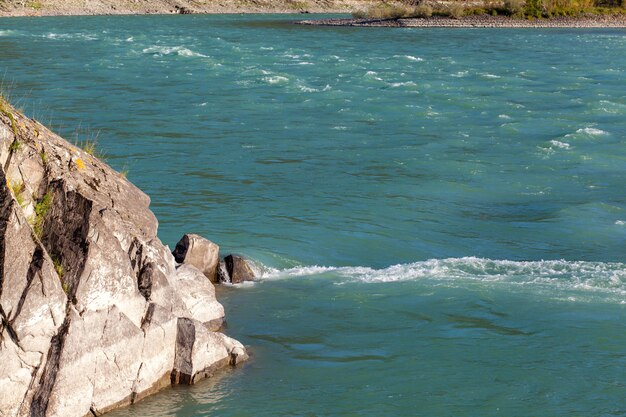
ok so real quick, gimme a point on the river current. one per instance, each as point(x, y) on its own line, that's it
point(438, 216)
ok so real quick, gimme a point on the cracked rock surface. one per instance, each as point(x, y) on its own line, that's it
point(94, 312)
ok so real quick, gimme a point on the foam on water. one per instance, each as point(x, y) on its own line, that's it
point(307, 89)
point(296, 56)
point(559, 144)
point(172, 50)
point(609, 278)
point(404, 84)
point(80, 36)
point(373, 75)
point(276, 79)
point(410, 58)
point(592, 131)
point(610, 107)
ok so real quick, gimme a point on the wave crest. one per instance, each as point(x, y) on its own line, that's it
point(566, 275)
point(172, 50)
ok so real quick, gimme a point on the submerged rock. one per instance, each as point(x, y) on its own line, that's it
point(94, 314)
point(237, 269)
point(200, 252)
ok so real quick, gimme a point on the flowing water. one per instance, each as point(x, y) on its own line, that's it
point(439, 215)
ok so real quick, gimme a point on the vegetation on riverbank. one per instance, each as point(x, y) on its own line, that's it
point(521, 9)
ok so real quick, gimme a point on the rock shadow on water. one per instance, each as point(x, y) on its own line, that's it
point(272, 161)
point(468, 322)
point(344, 357)
point(417, 316)
point(313, 349)
point(289, 342)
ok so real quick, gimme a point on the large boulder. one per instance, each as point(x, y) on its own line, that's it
point(200, 252)
point(236, 270)
point(91, 301)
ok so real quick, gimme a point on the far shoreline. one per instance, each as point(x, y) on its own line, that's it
point(615, 21)
point(167, 13)
point(478, 21)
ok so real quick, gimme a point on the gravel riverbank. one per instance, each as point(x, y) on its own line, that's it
point(485, 21)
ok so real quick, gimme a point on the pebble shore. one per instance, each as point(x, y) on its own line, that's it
point(485, 21)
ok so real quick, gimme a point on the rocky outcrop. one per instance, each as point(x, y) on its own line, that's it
point(200, 252)
point(236, 270)
point(94, 312)
point(204, 255)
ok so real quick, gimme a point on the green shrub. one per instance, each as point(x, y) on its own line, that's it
point(425, 11)
point(514, 7)
point(43, 205)
point(4, 109)
point(15, 145)
point(17, 189)
point(60, 270)
point(388, 11)
point(456, 10)
point(567, 7)
point(89, 146)
point(474, 11)
point(297, 5)
point(36, 5)
point(58, 267)
point(533, 8)
point(41, 209)
point(87, 140)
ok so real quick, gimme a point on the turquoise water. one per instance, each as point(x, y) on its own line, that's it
point(439, 215)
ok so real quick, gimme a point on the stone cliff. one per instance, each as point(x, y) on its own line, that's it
point(95, 313)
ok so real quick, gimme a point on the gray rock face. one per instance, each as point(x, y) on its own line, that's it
point(94, 314)
point(200, 352)
point(200, 252)
point(238, 269)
